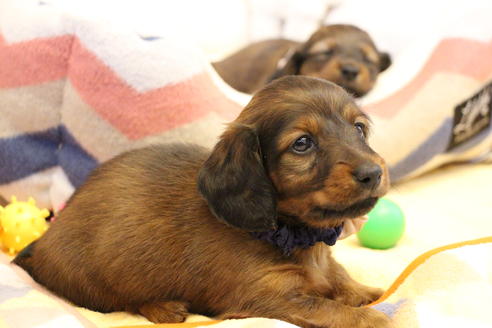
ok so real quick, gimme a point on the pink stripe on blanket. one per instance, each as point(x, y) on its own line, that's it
point(461, 56)
point(35, 61)
point(139, 115)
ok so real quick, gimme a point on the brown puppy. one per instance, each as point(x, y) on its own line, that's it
point(343, 54)
point(168, 230)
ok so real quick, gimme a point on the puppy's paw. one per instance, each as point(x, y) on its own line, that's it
point(165, 312)
point(370, 318)
point(359, 295)
point(234, 315)
point(361, 318)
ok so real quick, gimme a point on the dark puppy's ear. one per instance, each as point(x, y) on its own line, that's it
point(289, 64)
point(234, 183)
point(384, 61)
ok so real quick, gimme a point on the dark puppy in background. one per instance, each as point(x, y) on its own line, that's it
point(343, 54)
point(175, 229)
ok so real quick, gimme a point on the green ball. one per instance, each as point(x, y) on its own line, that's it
point(385, 226)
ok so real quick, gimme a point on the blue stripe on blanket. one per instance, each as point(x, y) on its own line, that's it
point(388, 308)
point(435, 145)
point(26, 154)
point(75, 161)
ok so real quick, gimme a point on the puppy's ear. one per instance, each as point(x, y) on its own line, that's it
point(384, 61)
point(234, 182)
point(289, 64)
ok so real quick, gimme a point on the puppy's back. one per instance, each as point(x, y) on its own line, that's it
point(96, 247)
point(248, 69)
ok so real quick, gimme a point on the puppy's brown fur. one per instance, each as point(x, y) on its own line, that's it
point(164, 230)
point(343, 54)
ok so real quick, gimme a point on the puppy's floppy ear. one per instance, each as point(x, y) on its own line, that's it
point(289, 64)
point(235, 184)
point(384, 61)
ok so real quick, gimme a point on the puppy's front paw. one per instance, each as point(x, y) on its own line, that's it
point(370, 318)
point(359, 295)
point(165, 312)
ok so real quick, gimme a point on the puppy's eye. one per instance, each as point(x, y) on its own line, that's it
point(321, 55)
point(327, 53)
point(361, 128)
point(302, 144)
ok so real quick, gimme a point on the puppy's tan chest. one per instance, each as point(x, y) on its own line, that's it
point(317, 262)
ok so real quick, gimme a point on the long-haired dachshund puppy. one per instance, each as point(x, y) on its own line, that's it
point(343, 54)
point(243, 230)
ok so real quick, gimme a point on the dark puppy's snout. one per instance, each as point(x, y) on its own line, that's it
point(368, 175)
point(350, 71)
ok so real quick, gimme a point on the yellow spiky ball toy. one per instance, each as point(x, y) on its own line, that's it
point(21, 223)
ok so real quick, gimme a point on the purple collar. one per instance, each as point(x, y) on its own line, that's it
point(288, 238)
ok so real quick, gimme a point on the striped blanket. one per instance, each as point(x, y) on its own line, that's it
point(443, 112)
point(25, 304)
point(76, 91)
point(445, 287)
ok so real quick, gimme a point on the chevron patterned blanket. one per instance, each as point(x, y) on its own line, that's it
point(76, 90)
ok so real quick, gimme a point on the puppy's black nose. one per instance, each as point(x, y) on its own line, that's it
point(350, 72)
point(368, 175)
